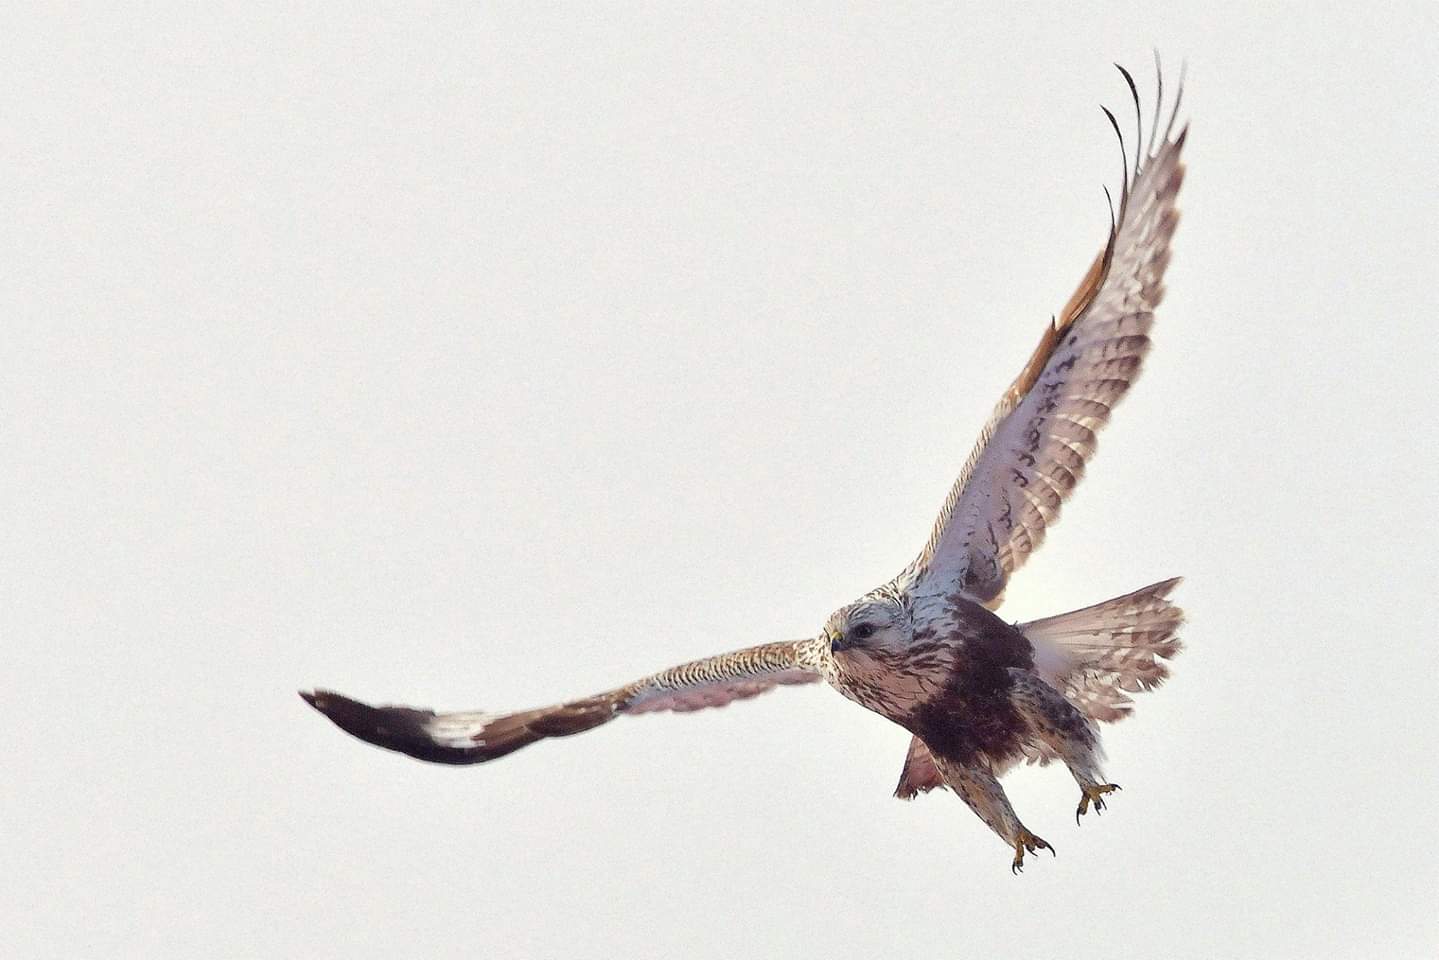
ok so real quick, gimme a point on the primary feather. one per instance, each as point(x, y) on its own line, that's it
point(925, 650)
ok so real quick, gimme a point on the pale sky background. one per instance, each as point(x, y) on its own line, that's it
point(471, 358)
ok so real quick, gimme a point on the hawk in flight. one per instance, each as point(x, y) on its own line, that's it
point(926, 650)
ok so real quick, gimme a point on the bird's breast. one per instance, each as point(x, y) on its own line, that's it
point(895, 684)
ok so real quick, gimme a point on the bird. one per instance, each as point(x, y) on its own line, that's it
point(927, 650)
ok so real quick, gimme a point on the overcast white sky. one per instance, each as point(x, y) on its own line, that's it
point(480, 359)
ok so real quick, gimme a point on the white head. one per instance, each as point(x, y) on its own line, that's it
point(874, 627)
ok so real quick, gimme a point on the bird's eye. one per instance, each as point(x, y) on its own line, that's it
point(862, 631)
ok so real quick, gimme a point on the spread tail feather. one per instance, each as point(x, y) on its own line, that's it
point(1096, 657)
point(1099, 655)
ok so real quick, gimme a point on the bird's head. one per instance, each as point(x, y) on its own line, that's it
point(871, 627)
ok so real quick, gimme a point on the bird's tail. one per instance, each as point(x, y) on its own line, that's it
point(1096, 657)
point(1099, 655)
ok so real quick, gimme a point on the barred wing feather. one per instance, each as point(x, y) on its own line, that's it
point(1042, 433)
point(476, 736)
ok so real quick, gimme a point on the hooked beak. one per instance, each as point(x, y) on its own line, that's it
point(836, 642)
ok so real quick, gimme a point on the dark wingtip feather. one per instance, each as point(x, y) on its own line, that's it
point(1112, 122)
point(395, 728)
point(1178, 100)
point(1124, 162)
point(1138, 117)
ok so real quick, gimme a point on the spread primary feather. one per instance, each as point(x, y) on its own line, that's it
point(925, 650)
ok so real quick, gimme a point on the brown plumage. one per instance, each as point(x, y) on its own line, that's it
point(477, 736)
point(925, 650)
point(1097, 656)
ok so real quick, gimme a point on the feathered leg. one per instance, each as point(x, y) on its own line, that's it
point(981, 791)
point(1066, 731)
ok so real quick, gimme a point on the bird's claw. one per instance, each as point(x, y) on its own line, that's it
point(1026, 841)
point(1095, 795)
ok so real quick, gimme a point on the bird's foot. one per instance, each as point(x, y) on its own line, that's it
point(1095, 795)
point(1026, 841)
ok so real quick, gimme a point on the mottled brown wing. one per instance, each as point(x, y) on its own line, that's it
point(1035, 447)
point(475, 737)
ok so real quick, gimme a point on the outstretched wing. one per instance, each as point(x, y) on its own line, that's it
point(1034, 449)
point(475, 737)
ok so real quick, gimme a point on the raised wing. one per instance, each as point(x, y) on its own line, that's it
point(1033, 451)
point(475, 737)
